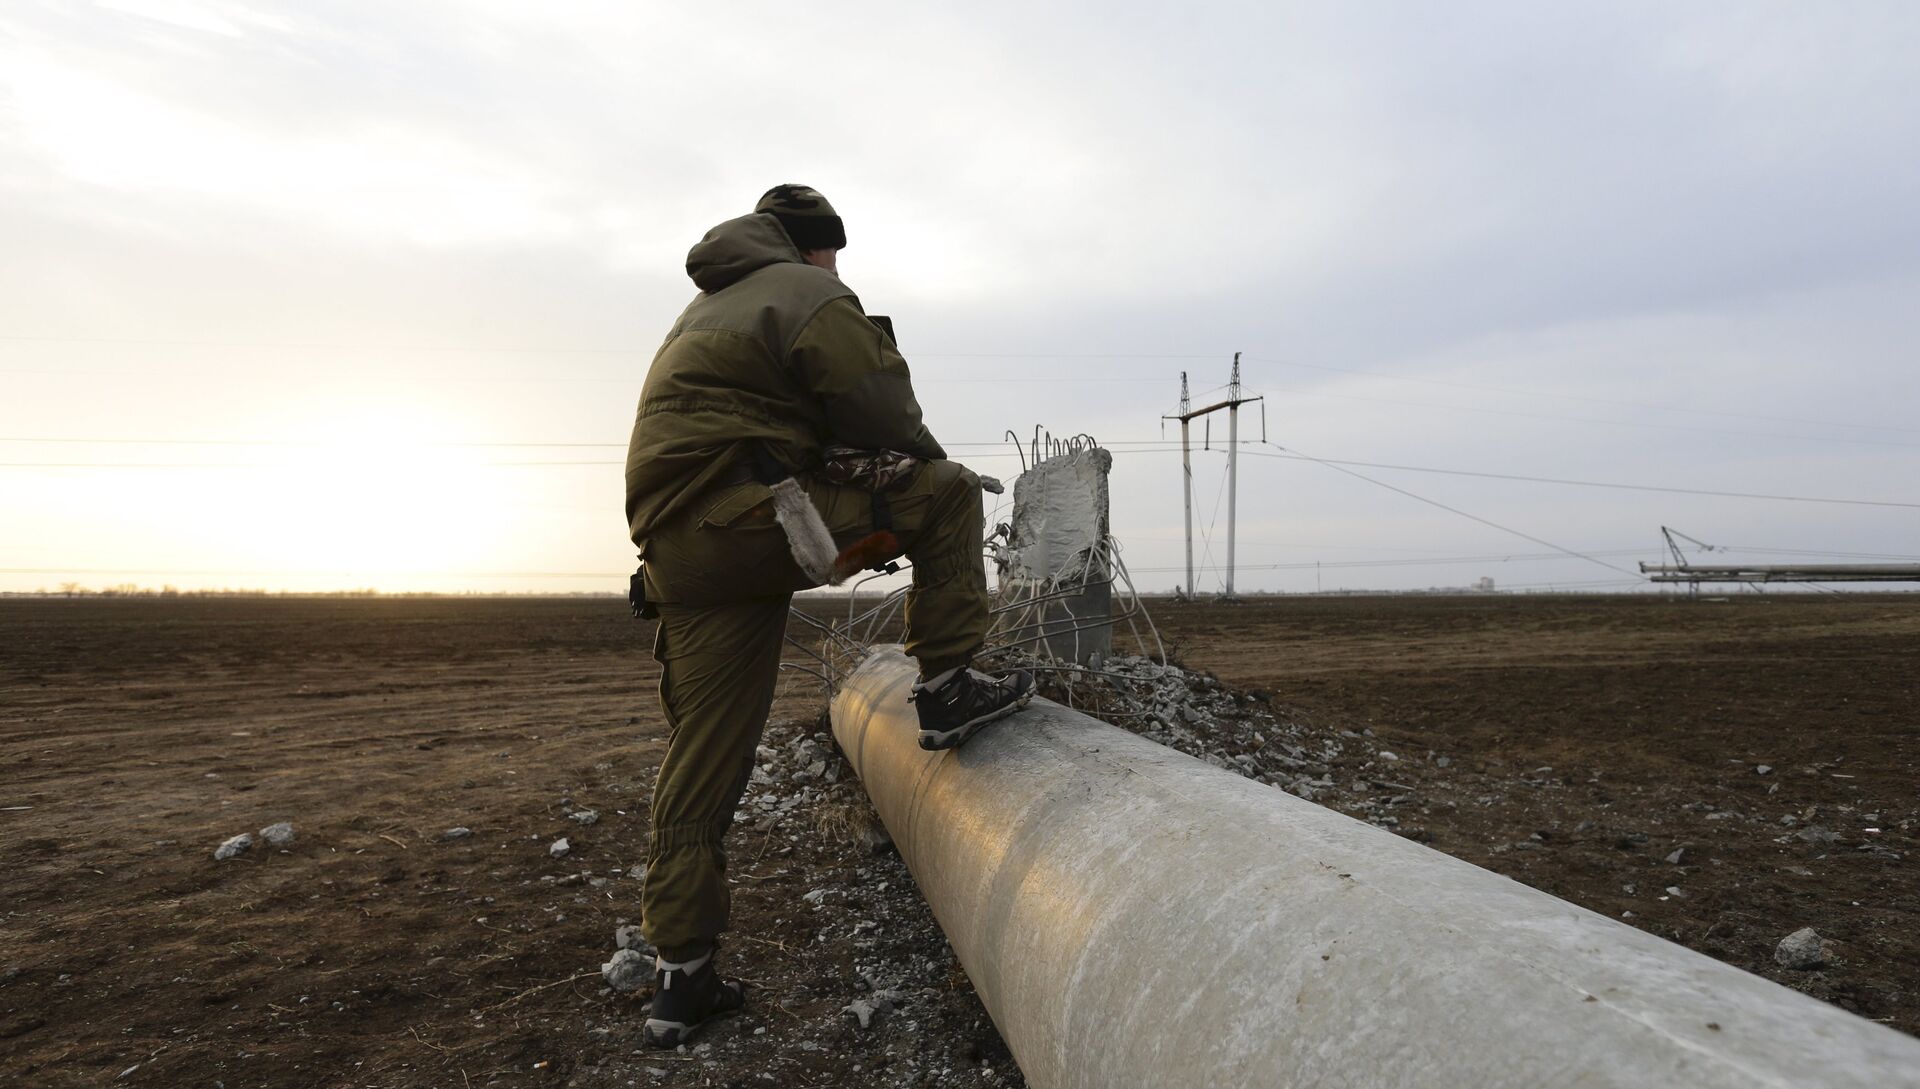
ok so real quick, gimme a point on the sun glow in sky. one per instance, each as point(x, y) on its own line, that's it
point(351, 294)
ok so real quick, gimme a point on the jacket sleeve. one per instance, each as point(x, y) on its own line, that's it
point(862, 382)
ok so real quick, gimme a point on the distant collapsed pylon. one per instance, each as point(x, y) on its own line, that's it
point(1681, 570)
point(1186, 416)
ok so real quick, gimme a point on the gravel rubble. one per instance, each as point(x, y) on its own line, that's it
point(628, 970)
point(1803, 950)
point(234, 847)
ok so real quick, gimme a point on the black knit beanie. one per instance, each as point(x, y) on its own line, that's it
point(807, 217)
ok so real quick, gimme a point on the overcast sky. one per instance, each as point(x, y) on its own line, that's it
point(315, 252)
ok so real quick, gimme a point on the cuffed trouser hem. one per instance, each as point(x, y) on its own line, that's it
point(679, 837)
point(685, 904)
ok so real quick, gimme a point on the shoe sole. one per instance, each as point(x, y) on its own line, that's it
point(668, 1034)
point(935, 741)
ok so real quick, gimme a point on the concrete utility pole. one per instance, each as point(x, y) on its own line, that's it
point(1186, 415)
point(1338, 953)
point(1233, 463)
point(1186, 475)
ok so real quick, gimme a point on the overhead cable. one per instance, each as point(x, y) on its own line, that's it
point(1644, 405)
point(985, 450)
point(1295, 455)
point(1456, 510)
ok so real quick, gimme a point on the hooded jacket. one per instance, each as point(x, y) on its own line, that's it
point(774, 352)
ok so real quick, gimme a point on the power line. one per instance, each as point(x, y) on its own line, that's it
point(922, 379)
point(1812, 552)
point(986, 450)
point(298, 443)
point(1324, 547)
point(1296, 456)
point(1456, 510)
point(610, 575)
point(362, 573)
point(1577, 397)
point(1604, 423)
point(324, 346)
point(1520, 557)
point(128, 465)
point(543, 380)
point(481, 349)
point(534, 349)
point(1573, 584)
point(116, 441)
point(251, 465)
point(1206, 533)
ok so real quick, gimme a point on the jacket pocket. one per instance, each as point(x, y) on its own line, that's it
point(744, 506)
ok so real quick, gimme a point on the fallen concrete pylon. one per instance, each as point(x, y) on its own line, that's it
point(1134, 917)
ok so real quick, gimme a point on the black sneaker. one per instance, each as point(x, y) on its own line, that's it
point(687, 996)
point(956, 704)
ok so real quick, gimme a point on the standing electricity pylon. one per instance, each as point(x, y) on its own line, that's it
point(1187, 414)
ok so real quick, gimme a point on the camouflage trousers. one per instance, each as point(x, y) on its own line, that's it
point(722, 578)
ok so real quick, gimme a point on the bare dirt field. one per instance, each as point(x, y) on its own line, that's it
point(1575, 744)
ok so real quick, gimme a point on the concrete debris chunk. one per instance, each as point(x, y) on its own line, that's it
point(628, 971)
point(1817, 835)
point(864, 1010)
point(461, 832)
point(278, 835)
point(235, 847)
point(559, 847)
point(584, 816)
point(1802, 950)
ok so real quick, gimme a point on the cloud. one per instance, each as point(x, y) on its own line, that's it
point(1641, 205)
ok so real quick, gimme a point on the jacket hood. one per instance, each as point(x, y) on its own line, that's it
point(737, 247)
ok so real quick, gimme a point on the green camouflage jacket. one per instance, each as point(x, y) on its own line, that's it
point(774, 351)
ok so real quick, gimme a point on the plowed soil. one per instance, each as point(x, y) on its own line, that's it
point(1572, 743)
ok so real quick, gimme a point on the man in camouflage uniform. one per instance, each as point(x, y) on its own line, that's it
point(770, 367)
